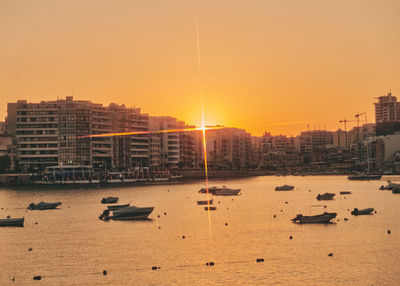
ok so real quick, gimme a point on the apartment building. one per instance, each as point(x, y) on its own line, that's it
point(56, 133)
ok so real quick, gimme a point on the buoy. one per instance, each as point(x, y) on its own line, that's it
point(13, 279)
point(260, 260)
point(274, 216)
point(165, 213)
point(330, 254)
point(158, 216)
point(159, 227)
point(389, 231)
point(30, 249)
point(36, 223)
point(281, 210)
point(290, 237)
point(183, 236)
point(104, 272)
point(345, 219)
point(286, 202)
point(219, 202)
point(226, 223)
point(37, 277)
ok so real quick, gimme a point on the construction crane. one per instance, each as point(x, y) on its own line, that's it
point(358, 123)
point(358, 118)
point(345, 123)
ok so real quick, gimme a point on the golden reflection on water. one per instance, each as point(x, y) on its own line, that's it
point(71, 246)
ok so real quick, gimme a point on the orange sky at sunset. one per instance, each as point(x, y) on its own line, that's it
point(271, 66)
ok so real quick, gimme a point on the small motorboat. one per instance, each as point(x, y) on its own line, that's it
point(345, 193)
point(325, 197)
point(366, 211)
point(284, 188)
point(207, 202)
point(127, 213)
point(117, 207)
point(390, 186)
point(19, 222)
point(109, 200)
point(210, 208)
point(224, 191)
point(322, 218)
point(43, 206)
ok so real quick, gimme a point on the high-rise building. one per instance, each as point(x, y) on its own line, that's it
point(387, 115)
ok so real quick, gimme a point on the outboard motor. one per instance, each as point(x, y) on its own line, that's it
point(104, 215)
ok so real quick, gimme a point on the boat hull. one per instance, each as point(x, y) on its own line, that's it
point(284, 188)
point(12, 222)
point(227, 192)
point(210, 202)
point(362, 211)
point(364, 177)
point(322, 218)
point(109, 200)
point(325, 197)
point(44, 206)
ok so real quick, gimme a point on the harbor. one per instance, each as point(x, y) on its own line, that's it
point(246, 238)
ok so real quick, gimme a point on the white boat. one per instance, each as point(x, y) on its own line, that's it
point(43, 206)
point(224, 191)
point(284, 188)
point(322, 218)
point(127, 213)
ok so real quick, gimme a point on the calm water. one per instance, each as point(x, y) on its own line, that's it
point(71, 246)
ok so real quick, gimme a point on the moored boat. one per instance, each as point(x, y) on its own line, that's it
point(43, 206)
point(224, 191)
point(364, 177)
point(207, 202)
point(109, 200)
point(366, 211)
point(345, 193)
point(210, 208)
point(127, 213)
point(117, 207)
point(284, 188)
point(322, 218)
point(325, 197)
point(19, 222)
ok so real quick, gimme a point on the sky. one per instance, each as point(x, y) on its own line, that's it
point(277, 66)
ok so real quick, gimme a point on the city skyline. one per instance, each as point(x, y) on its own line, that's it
point(265, 67)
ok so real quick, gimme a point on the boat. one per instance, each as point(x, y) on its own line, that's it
point(325, 197)
point(366, 211)
point(117, 207)
point(364, 177)
point(210, 208)
point(224, 191)
point(390, 186)
point(396, 190)
point(109, 200)
point(284, 188)
point(207, 202)
point(43, 206)
point(127, 213)
point(12, 222)
point(322, 218)
point(345, 193)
